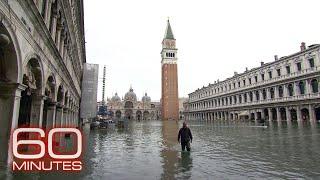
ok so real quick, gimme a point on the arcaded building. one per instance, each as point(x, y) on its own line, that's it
point(42, 51)
point(169, 77)
point(131, 108)
point(286, 89)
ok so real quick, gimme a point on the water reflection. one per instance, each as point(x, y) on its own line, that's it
point(220, 150)
point(176, 164)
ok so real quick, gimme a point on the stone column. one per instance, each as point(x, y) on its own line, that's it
point(51, 115)
point(254, 97)
point(65, 117)
point(63, 36)
point(308, 88)
point(278, 114)
point(10, 94)
point(65, 51)
point(299, 118)
point(285, 91)
point(71, 119)
point(76, 118)
point(255, 113)
point(261, 95)
point(270, 114)
point(59, 115)
point(54, 24)
point(268, 93)
point(312, 114)
point(263, 116)
point(288, 114)
point(276, 92)
point(37, 110)
point(58, 36)
point(47, 13)
point(237, 97)
point(296, 89)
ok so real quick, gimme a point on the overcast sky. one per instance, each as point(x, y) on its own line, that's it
point(214, 38)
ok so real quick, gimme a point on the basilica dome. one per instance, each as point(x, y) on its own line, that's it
point(130, 96)
point(146, 98)
point(115, 98)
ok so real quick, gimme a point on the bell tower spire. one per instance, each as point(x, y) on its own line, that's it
point(168, 33)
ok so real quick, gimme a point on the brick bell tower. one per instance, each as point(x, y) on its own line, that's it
point(169, 77)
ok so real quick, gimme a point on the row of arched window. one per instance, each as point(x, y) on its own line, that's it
point(254, 79)
point(262, 94)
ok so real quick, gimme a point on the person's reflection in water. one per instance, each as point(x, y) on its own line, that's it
point(174, 166)
point(186, 165)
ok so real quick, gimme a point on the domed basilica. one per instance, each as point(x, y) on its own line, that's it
point(129, 107)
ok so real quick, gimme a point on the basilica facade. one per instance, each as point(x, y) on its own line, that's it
point(286, 89)
point(42, 51)
point(131, 108)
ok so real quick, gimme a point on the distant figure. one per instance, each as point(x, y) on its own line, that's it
point(185, 137)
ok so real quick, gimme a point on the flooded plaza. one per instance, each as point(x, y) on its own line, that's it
point(223, 150)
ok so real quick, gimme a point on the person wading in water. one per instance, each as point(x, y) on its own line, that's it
point(185, 137)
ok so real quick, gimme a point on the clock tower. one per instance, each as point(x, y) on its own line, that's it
point(169, 77)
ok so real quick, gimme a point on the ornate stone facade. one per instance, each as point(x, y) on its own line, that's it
point(42, 52)
point(129, 107)
point(286, 89)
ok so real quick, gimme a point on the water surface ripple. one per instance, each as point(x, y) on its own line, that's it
point(149, 150)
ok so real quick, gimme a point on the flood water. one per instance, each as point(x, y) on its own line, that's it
point(149, 150)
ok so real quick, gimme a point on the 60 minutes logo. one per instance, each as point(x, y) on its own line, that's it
point(34, 162)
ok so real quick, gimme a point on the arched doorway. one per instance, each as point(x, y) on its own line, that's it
point(273, 113)
point(301, 87)
point(153, 115)
point(138, 115)
point(118, 114)
point(266, 114)
point(31, 97)
point(314, 86)
point(280, 91)
point(271, 93)
point(251, 116)
point(146, 115)
point(305, 114)
point(128, 114)
point(259, 115)
point(293, 114)
point(264, 94)
point(283, 114)
point(10, 87)
point(290, 89)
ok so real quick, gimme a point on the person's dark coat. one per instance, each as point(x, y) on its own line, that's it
point(185, 135)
